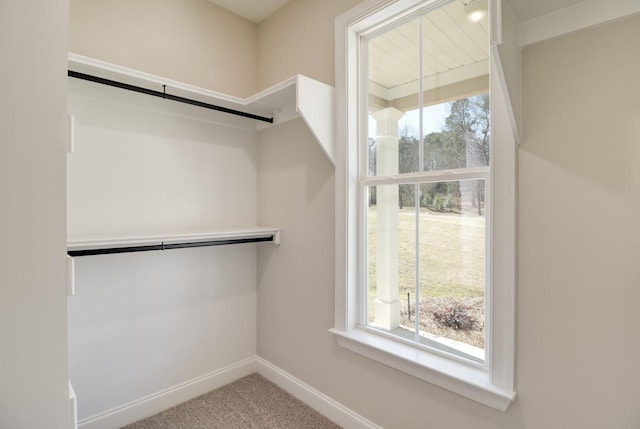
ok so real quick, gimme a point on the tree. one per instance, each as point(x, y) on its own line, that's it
point(408, 156)
point(442, 150)
point(463, 142)
point(468, 126)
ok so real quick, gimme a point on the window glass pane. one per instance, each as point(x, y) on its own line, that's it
point(428, 111)
point(463, 141)
point(452, 265)
point(411, 70)
point(456, 133)
point(393, 70)
point(391, 254)
point(455, 63)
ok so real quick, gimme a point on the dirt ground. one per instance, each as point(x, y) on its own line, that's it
point(429, 306)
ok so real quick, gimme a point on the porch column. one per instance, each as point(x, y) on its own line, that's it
point(387, 306)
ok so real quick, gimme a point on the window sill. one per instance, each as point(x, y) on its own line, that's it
point(465, 380)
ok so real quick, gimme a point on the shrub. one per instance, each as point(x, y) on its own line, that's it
point(438, 202)
point(455, 316)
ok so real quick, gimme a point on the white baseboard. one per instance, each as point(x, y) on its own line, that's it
point(320, 402)
point(160, 401)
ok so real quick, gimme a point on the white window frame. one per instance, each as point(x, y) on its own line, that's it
point(491, 384)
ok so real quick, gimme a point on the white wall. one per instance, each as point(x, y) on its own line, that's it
point(144, 165)
point(578, 269)
point(579, 282)
point(145, 322)
point(33, 326)
point(298, 39)
point(295, 286)
point(191, 41)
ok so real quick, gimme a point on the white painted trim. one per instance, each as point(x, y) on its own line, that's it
point(317, 400)
point(71, 133)
point(467, 380)
point(473, 173)
point(167, 398)
point(109, 70)
point(574, 18)
point(500, 299)
point(502, 81)
point(296, 96)
point(73, 407)
point(71, 276)
point(275, 89)
point(508, 54)
point(85, 243)
point(314, 101)
point(279, 100)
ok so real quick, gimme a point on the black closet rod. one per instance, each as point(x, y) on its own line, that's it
point(139, 89)
point(167, 246)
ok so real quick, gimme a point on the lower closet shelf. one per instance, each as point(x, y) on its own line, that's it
point(108, 245)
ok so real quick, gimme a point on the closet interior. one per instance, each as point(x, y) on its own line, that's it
point(162, 203)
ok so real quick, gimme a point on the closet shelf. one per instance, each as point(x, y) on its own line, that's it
point(298, 96)
point(108, 245)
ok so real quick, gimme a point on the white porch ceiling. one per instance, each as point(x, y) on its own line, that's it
point(454, 50)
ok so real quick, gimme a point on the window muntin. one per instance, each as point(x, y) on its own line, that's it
point(426, 262)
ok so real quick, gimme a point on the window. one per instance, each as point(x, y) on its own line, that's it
point(425, 197)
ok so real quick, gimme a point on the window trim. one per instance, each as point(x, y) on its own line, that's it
point(492, 384)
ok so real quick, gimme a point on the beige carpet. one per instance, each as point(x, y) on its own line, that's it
point(251, 402)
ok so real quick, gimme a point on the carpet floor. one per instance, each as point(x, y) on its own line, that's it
point(252, 402)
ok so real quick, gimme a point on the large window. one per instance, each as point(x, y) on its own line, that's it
point(420, 283)
point(425, 230)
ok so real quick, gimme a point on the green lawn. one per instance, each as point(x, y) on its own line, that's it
point(452, 249)
point(451, 253)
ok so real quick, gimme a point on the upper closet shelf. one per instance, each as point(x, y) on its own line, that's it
point(108, 245)
point(298, 96)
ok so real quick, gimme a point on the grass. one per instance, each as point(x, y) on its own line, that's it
point(452, 269)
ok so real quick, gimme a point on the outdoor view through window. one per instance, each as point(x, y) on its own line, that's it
point(425, 181)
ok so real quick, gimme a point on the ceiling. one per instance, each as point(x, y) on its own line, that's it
point(454, 49)
point(253, 10)
point(258, 10)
